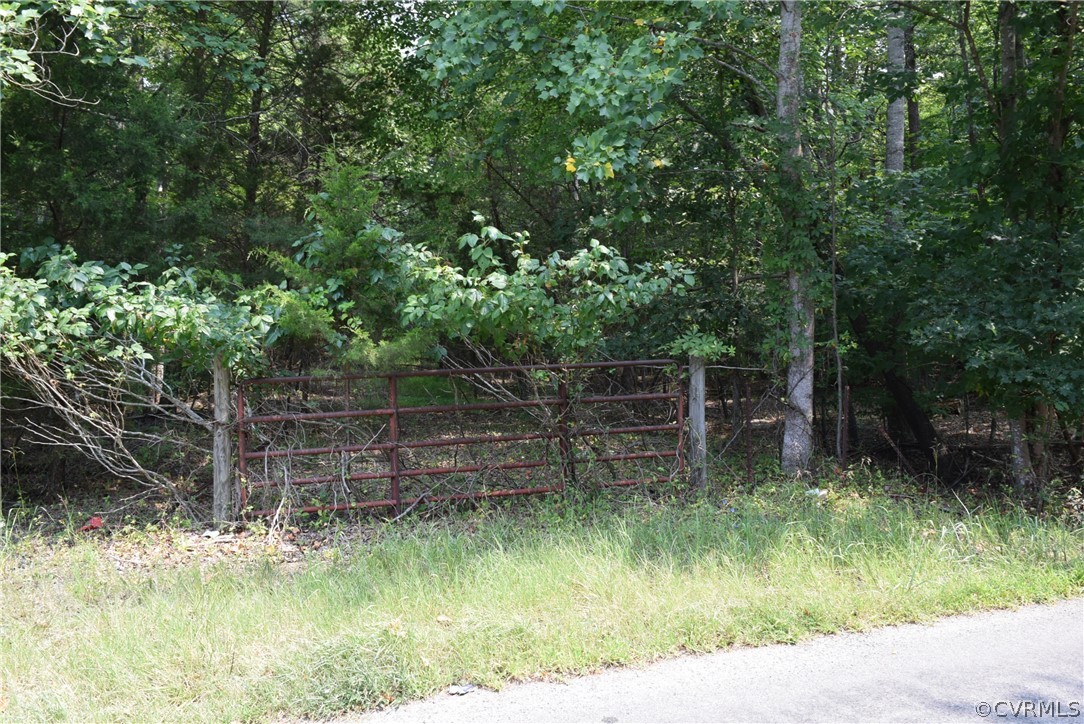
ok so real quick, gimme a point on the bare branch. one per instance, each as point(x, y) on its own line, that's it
point(923, 9)
point(738, 71)
point(964, 27)
point(84, 405)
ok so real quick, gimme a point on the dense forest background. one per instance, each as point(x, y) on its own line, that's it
point(875, 207)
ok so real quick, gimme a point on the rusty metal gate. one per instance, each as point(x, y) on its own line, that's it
point(313, 443)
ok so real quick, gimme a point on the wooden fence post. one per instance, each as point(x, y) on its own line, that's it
point(222, 505)
point(698, 447)
point(393, 439)
point(564, 440)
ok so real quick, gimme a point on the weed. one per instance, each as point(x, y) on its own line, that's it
point(555, 586)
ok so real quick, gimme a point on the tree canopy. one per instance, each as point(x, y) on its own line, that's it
point(877, 198)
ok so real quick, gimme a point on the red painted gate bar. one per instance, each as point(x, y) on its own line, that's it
point(395, 442)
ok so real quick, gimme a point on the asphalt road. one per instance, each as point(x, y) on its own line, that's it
point(1026, 664)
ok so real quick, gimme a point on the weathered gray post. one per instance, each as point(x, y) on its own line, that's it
point(222, 502)
point(698, 440)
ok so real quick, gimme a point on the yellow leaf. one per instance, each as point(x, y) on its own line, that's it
point(570, 164)
point(608, 170)
point(639, 21)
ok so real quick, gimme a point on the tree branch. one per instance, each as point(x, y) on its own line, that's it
point(517, 192)
point(964, 27)
point(738, 71)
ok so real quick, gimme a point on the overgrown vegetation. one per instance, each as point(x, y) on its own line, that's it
point(872, 209)
point(254, 627)
point(866, 217)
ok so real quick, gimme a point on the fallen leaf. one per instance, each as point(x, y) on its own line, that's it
point(93, 524)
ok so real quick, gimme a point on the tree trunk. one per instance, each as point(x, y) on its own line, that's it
point(1006, 19)
point(965, 63)
point(914, 121)
point(1073, 445)
point(1040, 452)
point(255, 111)
point(798, 421)
point(897, 106)
point(1022, 473)
point(918, 422)
point(1060, 121)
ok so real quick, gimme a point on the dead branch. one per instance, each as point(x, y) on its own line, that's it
point(86, 405)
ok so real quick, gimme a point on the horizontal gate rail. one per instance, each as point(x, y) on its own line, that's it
point(450, 441)
point(396, 473)
point(412, 473)
point(432, 409)
point(302, 416)
point(464, 371)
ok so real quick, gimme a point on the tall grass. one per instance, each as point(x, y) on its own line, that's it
point(550, 590)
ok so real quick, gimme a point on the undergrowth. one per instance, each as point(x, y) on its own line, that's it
point(542, 589)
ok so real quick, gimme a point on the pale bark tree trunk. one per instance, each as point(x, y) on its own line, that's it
point(798, 421)
point(897, 107)
point(900, 59)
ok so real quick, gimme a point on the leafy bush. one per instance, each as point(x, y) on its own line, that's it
point(557, 306)
point(74, 309)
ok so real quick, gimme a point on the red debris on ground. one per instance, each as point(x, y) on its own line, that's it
point(93, 524)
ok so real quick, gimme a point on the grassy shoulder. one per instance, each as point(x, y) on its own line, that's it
point(536, 589)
